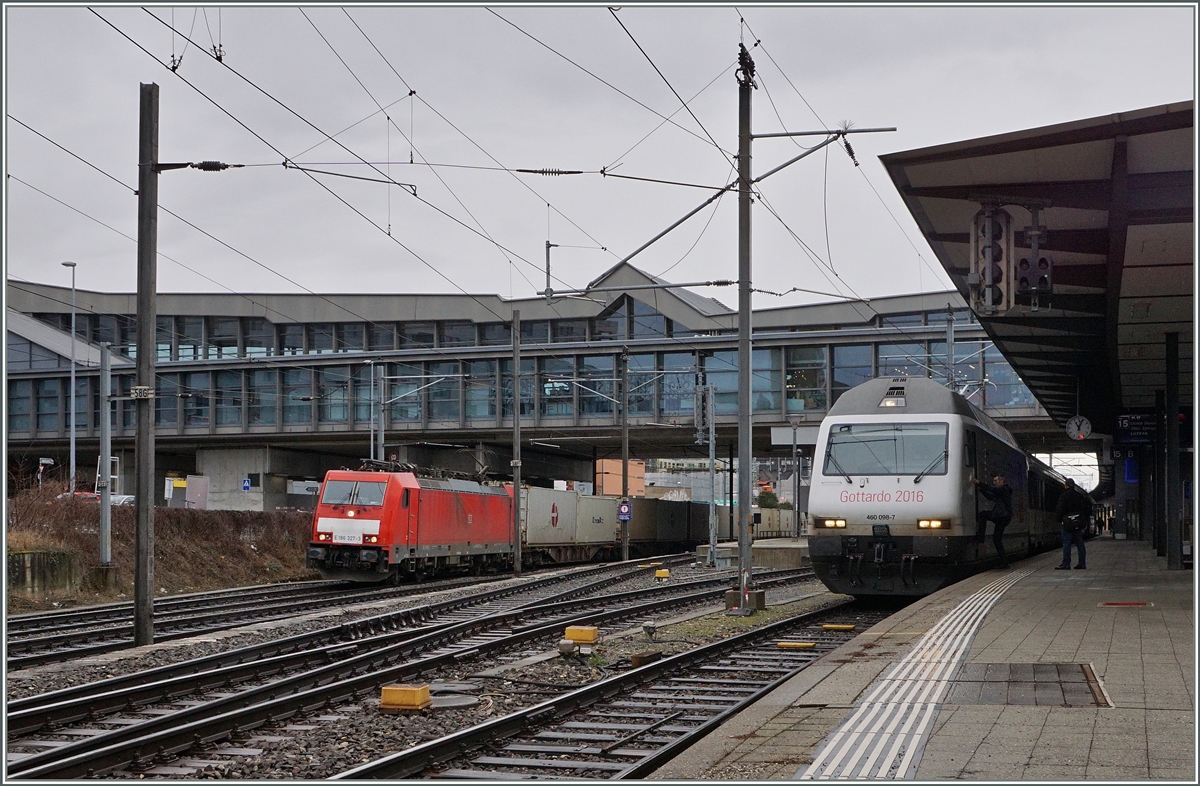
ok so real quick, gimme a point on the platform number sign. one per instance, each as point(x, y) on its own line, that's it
point(624, 511)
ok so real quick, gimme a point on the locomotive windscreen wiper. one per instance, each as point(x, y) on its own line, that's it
point(838, 467)
point(945, 454)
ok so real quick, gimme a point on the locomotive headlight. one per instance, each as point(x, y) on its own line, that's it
point(324, 536)
point(370, 538)
point(929, 524)
point(835, 522)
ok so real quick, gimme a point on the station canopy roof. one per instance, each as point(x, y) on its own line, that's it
point(1119, 231)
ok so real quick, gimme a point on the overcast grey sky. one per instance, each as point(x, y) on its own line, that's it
point(490, 92)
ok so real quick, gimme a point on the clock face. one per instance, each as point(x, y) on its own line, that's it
point(1079, 427)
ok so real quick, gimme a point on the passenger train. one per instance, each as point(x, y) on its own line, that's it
point(388, 522)
point(892, 501)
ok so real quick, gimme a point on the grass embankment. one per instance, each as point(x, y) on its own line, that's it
point(194, 550)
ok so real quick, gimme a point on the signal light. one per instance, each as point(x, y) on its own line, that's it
point(991, 261)
point(1035, 279)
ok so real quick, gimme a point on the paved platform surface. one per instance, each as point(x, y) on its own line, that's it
point(992, 721)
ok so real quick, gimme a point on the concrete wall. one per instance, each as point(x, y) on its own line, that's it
point(225, 469)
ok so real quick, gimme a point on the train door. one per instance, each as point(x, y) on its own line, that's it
point(971, 496)
point(408, 510)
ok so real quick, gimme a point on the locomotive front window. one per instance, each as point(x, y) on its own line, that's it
point(887, 449)
point(370, 493)
point(349, 492)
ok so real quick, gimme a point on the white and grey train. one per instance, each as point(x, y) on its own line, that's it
point(892, 501)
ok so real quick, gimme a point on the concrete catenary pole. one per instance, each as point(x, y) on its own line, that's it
point(516, 448)
point(382, 393)
point(374, 406)
point(147, 286)
point(625, 448)
point(709, 413)
point(795, 484)
point(71, 398)
point(745, 77)
point(104, 474)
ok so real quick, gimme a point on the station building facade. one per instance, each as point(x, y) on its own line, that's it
point(262, 393)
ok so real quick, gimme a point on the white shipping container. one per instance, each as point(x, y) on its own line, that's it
point(549, 516)
point(598, 520)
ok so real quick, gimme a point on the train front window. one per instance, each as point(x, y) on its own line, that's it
point(887, 449)
point(349, 492)
point(370, 493)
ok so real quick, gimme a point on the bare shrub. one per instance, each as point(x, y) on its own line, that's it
point(194, 550)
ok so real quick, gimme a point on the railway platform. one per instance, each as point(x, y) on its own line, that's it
point(1026, 674)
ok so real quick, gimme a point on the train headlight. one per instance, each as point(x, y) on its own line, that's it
point(835, 522)
point(324, 536)
point(929, 524)
point(370, 538)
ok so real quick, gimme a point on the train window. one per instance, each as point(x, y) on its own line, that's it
point(969, 450)
point(338, 492)
point(370, 493)
point(349, 492)
point(887, 449)
point(404, 499)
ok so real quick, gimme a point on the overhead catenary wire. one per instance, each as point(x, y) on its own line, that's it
point(198, 229)
point(391, 123)
point(600, 79)
point(938, 275)
point(348, 205)
point(462, 133)
point(314, 127)
point(412, 144)
point(727, 156)
point(335, 195)
point(651, 132)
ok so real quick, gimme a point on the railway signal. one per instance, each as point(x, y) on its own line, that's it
point(991, 261)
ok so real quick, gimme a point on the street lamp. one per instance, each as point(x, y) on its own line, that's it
point(71, 487)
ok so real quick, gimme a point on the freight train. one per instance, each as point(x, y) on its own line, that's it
point(388, 522)
point(892, 500)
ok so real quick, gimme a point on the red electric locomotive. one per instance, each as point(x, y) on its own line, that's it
point(372, 525)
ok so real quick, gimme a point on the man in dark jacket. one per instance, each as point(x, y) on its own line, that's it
point(1072, 511)
point(1000, 493)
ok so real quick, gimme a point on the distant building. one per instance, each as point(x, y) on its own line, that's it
point(263, 393)
point(608, 477)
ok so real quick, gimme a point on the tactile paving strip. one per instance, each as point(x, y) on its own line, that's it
point(886, 733)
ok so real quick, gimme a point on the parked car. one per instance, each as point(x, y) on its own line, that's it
point(124, 500)
point(80, 496)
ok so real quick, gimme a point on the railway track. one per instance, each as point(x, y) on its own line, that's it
point(160, 715)
point(630, 724)
point(68, 635)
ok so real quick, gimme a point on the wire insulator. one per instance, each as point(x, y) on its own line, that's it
point(849, 150)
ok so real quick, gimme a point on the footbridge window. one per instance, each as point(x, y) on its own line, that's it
point(806, 379)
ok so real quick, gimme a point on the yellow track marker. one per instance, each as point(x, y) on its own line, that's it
point(795, 645)
point(831, 626)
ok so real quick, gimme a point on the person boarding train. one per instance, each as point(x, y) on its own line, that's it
point(1000, 494)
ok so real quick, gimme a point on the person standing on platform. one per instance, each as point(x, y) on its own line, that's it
point(1072, 512)
point(1000, 494)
